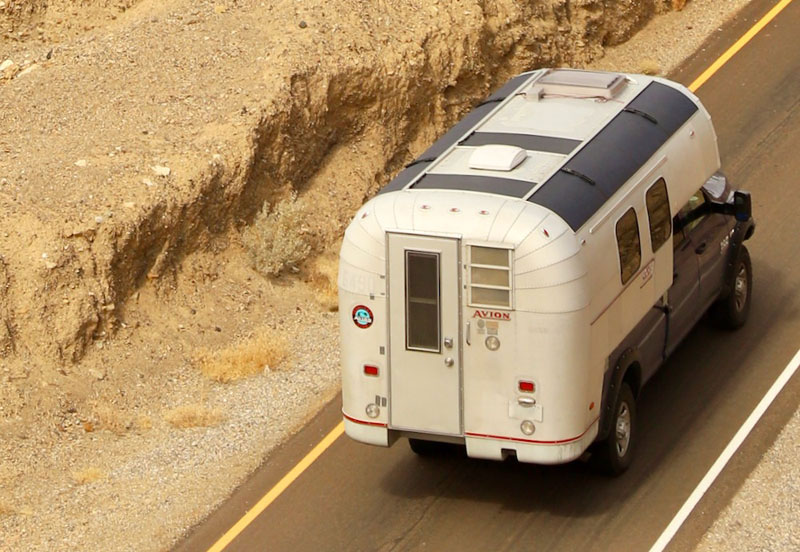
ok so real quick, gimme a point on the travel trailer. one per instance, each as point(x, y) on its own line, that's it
point(514, 287)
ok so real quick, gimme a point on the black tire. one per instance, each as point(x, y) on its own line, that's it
point(730, 312)
point(421, 447)
point(614, 455)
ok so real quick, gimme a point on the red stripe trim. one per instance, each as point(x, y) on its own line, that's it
point(363, 422)
point(532, 441)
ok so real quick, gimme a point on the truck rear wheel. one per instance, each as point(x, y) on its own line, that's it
point(731, 312)
point(614, 455)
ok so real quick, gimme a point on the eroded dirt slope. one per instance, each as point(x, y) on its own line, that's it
point(163, 128)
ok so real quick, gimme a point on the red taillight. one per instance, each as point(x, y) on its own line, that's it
point(527, 386)
point(370, 370)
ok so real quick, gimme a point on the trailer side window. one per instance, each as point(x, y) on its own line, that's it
point(630, 250)
point(658, 214)
point(422, 301)
point(490, 277)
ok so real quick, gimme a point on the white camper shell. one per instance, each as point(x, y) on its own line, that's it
point(486, 291)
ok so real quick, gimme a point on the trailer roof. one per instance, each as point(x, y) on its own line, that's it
point(586, 134)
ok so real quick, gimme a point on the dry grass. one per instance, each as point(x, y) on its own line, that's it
point(143, 423)
point(6, 509)
point(109, 418)
point(87, 475)
point(649, 66)
point(323, 277)
point(193, 415)
point(265, 350)
point(278, 238)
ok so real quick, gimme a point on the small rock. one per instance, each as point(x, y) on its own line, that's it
point(27, 70)
point(303, 24)
point(160, 170)
point(81, 163)
point(10, 69)
point(220, 9)
point(129, 205)
point(50, 265)
point(98, 219)
point(97, 374)
point(147, 182)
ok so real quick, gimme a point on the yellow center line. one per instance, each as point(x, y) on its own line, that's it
point(337, 431)
point(739, 44)
point(276, 491)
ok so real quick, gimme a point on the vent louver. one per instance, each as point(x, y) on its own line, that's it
point(572, 82)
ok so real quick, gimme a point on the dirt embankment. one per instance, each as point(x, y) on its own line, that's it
point(133, 134)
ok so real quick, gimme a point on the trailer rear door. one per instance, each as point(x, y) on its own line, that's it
point(424, 333)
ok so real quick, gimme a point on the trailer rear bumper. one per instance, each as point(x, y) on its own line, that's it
point(494, 447)
point(372, 433)
point(488, 447)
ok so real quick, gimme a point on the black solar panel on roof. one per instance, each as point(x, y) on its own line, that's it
point(531, 142)
point(473, 183)
point(615, 154)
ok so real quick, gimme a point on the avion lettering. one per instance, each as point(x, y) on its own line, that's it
point(492, 315)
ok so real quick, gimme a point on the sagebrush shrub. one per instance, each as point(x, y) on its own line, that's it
point(278, 238)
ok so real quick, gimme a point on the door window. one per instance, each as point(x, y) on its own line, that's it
point(628, 243)
point(694, 211)
point(658, 214)
point(423, 314)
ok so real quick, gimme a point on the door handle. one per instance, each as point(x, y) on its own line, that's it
point(469, 334)
point(701, 248)
point(449, 362)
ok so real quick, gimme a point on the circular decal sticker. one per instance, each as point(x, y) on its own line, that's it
point(362, 316)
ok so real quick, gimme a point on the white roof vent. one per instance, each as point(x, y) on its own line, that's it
point(576, 83)
point(495, 157)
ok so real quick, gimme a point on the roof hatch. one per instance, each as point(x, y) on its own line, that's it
point(496, 157)
point(576, 83)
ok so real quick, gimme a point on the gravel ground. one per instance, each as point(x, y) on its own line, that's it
point(176, 475)
point(765, 513)
point(663, 44)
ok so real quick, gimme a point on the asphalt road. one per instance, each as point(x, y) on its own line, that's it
point(357, 497)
